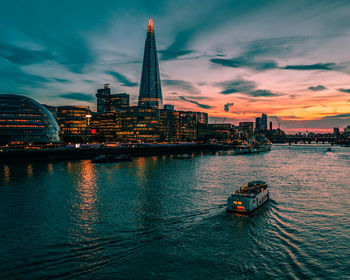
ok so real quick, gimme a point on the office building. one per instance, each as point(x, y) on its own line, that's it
point(23, 121)
point(104, 99)
point(74, 122)
point(119, 100)
point(150, 88)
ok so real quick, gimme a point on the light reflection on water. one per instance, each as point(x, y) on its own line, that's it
point(163, 217)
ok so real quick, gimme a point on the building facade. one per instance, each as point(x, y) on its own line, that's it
point(150, 88)
point(74, 122)
point(103, 96)
point(23, 121)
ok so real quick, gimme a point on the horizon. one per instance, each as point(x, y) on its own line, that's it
point(231, 60)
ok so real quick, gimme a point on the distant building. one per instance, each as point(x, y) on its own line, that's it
point(150, 88)
point(104, 127)
point(23, 121)
point(188, 124)
point(222, 131)
point(261, 123)
point(201, 117)
point(246, 129)
point(270, 126)
point(347, 132)
point(119, 100)
point(336, 131)
point(74, 123)
point(103, 99)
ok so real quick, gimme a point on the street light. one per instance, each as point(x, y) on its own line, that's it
point(88, 117)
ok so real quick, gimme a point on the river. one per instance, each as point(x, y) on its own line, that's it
point(164, 218)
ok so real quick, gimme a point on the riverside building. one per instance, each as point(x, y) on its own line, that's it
point(25, 121)
point(74, 122)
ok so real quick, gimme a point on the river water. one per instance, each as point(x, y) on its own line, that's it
point(164, 218)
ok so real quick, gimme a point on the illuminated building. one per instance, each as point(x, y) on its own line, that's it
point(119, 100)
point(138, 124)
point(128, 124)
point(104, 127)
point(188, 125)
point(201, 117)
point(261, 123)
point(223, 131)
point(74, 123)
point(103, 99)
point(169, 126)
point(150, 88)
point(23, 120)
point(246, 128)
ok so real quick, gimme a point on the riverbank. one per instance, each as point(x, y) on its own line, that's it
point(88, 152)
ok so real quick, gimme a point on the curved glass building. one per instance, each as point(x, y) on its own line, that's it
point(23, 120)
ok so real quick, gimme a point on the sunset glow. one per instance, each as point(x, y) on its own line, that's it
point(231, 60)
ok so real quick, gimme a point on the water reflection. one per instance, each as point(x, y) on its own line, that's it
point(29, 170)
point(85, 207)
point(7, 174)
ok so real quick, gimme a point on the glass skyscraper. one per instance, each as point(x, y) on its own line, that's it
point(150, 88)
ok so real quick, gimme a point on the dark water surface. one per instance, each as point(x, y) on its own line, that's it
point(164, 218)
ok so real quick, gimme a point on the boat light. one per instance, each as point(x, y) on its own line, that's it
point(240, 207)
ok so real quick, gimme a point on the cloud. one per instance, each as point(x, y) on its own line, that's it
point(346, 90)
point(246, 62)
point(262, 93)
point(78, 96)
point(170, 53)
point(181, 85)
point(317, 66)
point(244, 87)
point(122, 79)
point(317, 88)
point(204, 106)
point(227, 106)
point(236, 86)
point(339, 116)
point(22, 56)
point(254, 53)
point(62, 80)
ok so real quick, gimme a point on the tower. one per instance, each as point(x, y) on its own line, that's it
point(103, 99)
point(150, 89)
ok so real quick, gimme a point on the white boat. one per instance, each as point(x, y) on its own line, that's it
point(249, 149)
point(248, 198)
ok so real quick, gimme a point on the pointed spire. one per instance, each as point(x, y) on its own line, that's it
point(150, 27)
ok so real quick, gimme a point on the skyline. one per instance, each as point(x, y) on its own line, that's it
point(233, 60)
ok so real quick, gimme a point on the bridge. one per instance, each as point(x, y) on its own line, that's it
point(312, 139)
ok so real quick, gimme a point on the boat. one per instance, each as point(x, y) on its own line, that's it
point(111, 158)
point(248, 198)
point(253, 148)
point(329, 149)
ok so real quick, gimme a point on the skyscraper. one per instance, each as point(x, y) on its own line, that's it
point(150, 88)
point(103, 99)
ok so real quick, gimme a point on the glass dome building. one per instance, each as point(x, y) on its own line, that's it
point(23, 121)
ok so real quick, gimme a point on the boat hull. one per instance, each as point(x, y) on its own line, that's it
point(246, 204)
point(248, 150)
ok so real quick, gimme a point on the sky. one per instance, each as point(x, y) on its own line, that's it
point(231, 59)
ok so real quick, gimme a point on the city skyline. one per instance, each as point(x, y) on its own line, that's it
point(232, 60)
